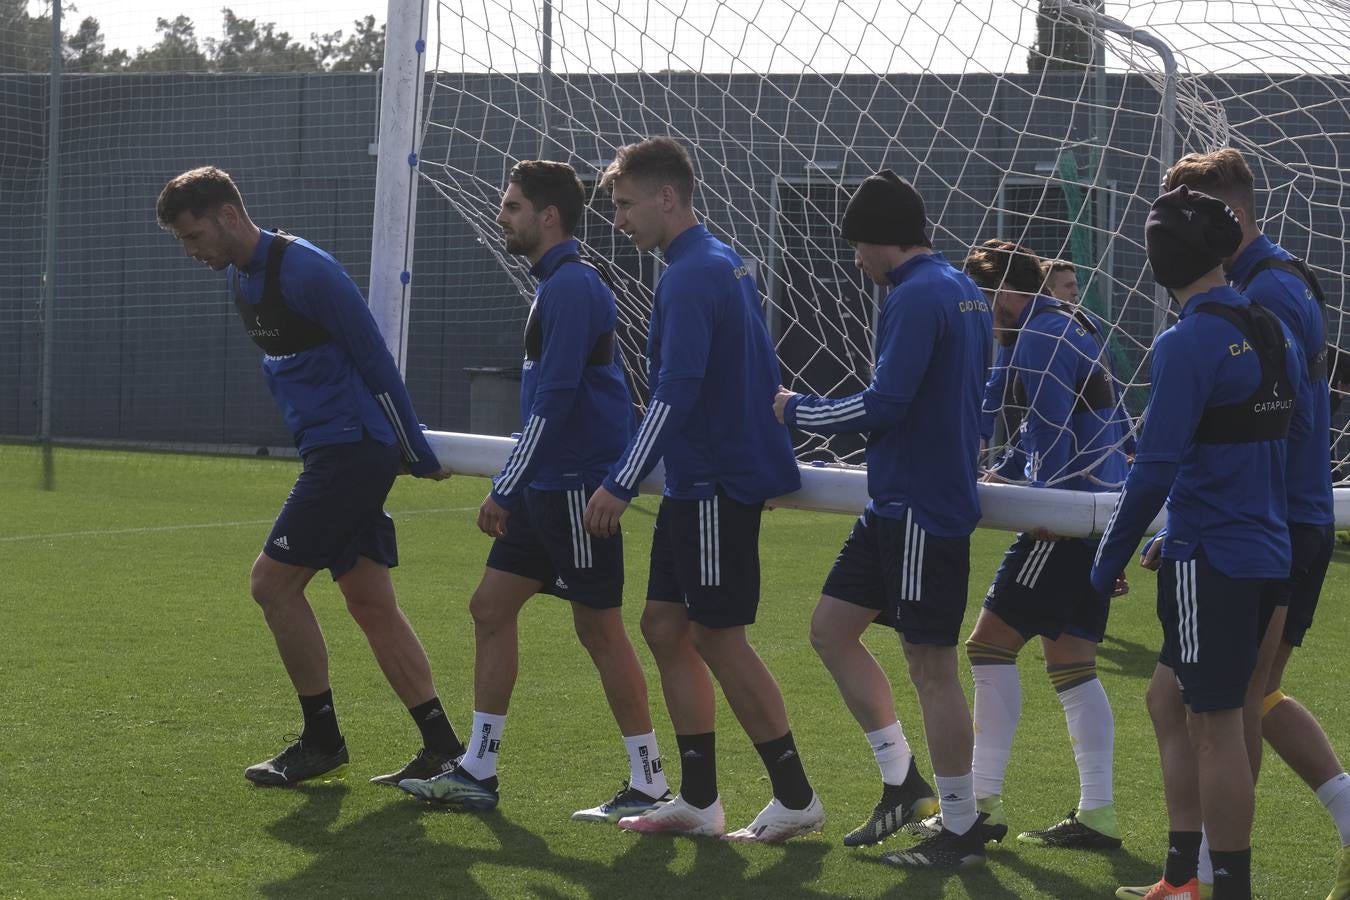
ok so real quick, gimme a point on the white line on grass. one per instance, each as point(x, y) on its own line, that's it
point(99, 532)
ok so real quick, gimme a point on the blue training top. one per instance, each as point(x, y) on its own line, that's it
point(922, 409)
point(1287, 296)
point(574, 402)
point(343, 389)
point(1075, 421)
point(1227, 498)
point(713, 374)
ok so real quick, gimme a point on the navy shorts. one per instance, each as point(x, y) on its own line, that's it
point(705, 554)
point(1043, 588)
point(545, 541)
point(335, 511)
point(1212, 627)
point(917, 582)
point(1312, 546)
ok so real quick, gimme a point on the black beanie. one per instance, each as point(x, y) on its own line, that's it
point(885, 209)
point(1189, 234)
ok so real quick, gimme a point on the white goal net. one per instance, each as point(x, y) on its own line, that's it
point(1019, 120)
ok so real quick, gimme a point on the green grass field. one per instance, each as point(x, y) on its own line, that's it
point(138, 680)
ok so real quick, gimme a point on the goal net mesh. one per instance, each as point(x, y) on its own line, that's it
point(1015, 119)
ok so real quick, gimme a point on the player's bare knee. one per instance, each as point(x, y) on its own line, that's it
point(598, 634)
point(663, 632)
point(489, 615)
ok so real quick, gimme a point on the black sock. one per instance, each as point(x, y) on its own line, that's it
point(698, 768)
point(321, 726)
point(1232, 874)
point(1183, 857)
point(785, 772)
point(437, 732)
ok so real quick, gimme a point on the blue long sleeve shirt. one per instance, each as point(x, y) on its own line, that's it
point(1286, 295)
point(713, 373)
point(922, 410)
point(1067, 446)
point(339, 391)
point(1011, 461)
point(1228, 499)
point(577, 413)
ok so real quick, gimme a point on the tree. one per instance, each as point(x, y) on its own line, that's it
point(177, 50)
point(363, 51)
point(24, 40)
point(1061, 42)
point(86, 50)
point(250, 47)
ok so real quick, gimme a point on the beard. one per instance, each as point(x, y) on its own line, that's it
point(519, 245)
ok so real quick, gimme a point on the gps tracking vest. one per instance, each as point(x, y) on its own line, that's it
point(1094, 391)
point(1265, 415)
point(271, 324)
point(602, 354)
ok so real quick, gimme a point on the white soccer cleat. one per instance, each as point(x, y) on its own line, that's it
point(678, 817)
point(776, 823)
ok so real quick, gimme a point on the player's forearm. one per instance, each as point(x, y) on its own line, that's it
point(1144, 493)
point(538, 441)
point(669, 407)
point(866, 411)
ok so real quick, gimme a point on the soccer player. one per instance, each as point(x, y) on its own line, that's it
point(1272, 278)
point(713, 374)
point(907, 561)
point(1061, 280)
point(1225, 380)
point(1074, 428)
point(578, 418)
point(346, 406)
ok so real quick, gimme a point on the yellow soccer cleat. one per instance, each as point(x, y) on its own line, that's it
point(1342, 889)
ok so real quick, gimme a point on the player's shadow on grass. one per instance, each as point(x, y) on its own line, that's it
point(1117, 656)
point(389, 852)
point(984, 881)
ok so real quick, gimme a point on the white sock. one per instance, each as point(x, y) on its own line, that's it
point(892, 752)
point(1206, 871)
point(956, 798)
point(998, 706)
point(644, 765)
point(1092, 730)
point(480, 759)
point(1335, 796)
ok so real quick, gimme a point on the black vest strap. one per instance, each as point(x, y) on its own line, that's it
point(1095, 391)
point(1265, 415)
point(602, 353)
point(274, 326)
point(1317, 365)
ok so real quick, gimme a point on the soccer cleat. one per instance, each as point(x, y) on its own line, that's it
point(901, 805)
point(943, 850)
point(298, 763)
point(455, 788)
point(426, 764)
point(1191, 890)
point(992, 822)
point(629, 801)
point(776, 823)
point(678, 816)
point(1342, 889)
point(1075, 834)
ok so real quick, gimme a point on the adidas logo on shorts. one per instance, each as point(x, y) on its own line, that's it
point(282, 543)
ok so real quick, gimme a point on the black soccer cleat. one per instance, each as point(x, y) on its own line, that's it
point(297, 763)
point(426, 764)
point(943, 850)
point(900, 805)
point(1072, 834)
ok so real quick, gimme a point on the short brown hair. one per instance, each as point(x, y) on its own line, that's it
point(995, 262)
point(1055, 266)
point(1221, 173)
point(657, 161)
point(545, 183)
point(198, 191)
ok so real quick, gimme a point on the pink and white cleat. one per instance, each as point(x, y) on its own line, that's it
point(678, 816)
